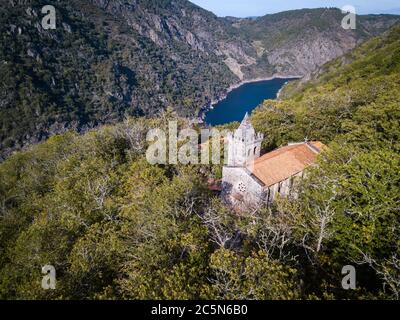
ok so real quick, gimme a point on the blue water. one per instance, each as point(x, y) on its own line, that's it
point(243, 99)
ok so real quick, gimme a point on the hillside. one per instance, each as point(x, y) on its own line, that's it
point(362, 83)
point(111, 59)
point(298, 42)
point(94, 68)
point(116, 227)
point(353, 104)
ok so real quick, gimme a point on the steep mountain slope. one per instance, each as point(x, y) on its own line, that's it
point(353, 105)
point(354, 98)
point(111, 58)
point(94, 68)
point(297, 42)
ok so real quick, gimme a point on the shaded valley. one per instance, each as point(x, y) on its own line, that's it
point(111, 59)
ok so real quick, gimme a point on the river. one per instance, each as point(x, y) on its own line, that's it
point(243, 99)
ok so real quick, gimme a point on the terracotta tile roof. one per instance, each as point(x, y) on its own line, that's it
point(281, 164)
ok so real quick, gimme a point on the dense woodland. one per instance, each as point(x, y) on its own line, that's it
point(116, 227)
point(93, 69)
point(107, 60)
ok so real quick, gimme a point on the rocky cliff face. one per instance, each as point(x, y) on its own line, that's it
point(111, 58)
point(298, 42)
point(288, 43)
point(180, 22)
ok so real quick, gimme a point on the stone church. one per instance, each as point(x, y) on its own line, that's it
point(251, 179)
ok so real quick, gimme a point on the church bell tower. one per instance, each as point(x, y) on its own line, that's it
point(244, 146)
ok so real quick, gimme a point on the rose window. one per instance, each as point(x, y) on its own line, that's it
point(241, 187)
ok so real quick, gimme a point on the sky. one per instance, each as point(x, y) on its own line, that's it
point(249, 8)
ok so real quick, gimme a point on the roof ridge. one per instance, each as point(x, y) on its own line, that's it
point(313, 147)
point(285, 162)
point(293, 146)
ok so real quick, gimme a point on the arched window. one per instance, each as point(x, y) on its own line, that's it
point(255, 150)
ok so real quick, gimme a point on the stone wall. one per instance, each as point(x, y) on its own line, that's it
point(283, 188)
point(239, 186)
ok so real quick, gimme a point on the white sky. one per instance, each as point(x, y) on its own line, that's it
point(247, 8)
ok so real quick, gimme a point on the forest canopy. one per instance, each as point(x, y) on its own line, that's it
point(116, 227)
